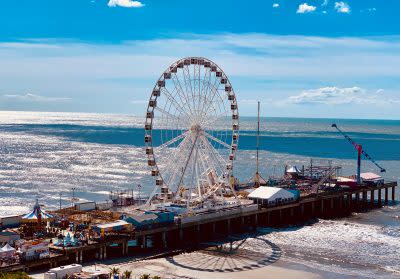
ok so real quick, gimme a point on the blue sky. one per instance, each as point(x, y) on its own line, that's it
point(310, 58)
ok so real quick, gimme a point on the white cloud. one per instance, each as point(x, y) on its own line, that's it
point(275, 5)
point(33, 98)
point(340, 96)
point(305, 8)
point(342, 7)
point(325, 3)
point(324, 12)
point(125, 3)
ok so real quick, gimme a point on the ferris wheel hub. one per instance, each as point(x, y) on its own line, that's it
point(196, 128)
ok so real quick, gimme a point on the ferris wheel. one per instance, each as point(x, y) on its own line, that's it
point(191, 132)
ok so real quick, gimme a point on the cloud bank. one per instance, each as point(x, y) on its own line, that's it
point(341, 96)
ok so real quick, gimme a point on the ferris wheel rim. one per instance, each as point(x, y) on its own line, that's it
point(152, 106)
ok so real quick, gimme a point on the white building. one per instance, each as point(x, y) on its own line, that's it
point(269, 196)
point(62, 271)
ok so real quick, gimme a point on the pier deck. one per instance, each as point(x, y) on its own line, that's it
point(211, 226)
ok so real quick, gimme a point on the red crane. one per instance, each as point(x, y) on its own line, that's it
point(360, 151)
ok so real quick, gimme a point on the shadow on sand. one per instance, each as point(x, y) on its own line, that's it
point(235, 253)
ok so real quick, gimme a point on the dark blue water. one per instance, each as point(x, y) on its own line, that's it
point(324, 144)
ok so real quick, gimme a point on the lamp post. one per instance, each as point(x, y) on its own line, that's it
point(139, 187)
point(73, 195)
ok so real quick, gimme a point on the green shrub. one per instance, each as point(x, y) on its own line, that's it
point(14, 275)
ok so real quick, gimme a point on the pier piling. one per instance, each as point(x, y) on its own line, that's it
point(393, 193)
point(380, 197)
point(386, 195)
point(372, 197)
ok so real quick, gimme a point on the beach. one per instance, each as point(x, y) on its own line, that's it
point(165, 269)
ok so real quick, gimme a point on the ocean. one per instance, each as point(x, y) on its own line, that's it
point(45, 154)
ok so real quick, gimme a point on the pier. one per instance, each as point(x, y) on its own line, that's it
point(219, 225)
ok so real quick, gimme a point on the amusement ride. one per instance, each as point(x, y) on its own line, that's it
point(191, 135)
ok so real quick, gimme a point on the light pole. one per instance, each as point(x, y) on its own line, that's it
point(73, 195)
point(139, 186)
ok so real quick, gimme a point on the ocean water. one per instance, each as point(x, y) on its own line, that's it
point(45, 155)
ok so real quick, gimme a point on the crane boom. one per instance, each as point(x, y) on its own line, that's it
point(359, 149)
point(373, 161)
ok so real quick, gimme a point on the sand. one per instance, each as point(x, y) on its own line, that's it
point(244, 257)
point(199, 265)
point(165, 269)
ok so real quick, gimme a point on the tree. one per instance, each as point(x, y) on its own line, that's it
point(156, 277)
point(127, 274)
point(114, 271)
point(145, 276)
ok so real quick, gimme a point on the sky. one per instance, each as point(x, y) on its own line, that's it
point(313, 58)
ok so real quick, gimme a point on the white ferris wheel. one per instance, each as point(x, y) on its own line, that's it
point(191, 133)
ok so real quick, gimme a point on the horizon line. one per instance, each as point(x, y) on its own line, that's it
point(245, 116)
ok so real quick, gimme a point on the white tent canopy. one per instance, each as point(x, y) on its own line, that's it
point(7, 250)
point(293, 169)
point(271, 193)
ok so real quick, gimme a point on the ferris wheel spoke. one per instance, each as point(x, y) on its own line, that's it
point(211, 103)
point(180, 92)
point(186, 92)
point(202, 161)
point(172, 141)
point(204, 88)
point(214, 104)
point(186, 164)
point(217, 140)
point(210, 121)
point(212, 151)
point(174, 102)
point(188, 83)
point(199, 88)
point(174, 161)
point(207, 93)
point(209, 163)
point(166, 113)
